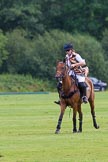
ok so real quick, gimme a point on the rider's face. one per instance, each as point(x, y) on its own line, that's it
point(69, 52)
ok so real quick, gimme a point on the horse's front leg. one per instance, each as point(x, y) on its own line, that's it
point(60, 119)
point(80, 118)
point(74, 120)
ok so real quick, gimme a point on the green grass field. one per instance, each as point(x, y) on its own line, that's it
point(27, 126)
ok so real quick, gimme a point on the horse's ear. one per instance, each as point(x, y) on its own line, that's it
point(64, 60)
point(57, 61)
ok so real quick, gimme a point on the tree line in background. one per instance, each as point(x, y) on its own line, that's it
point(32, 34)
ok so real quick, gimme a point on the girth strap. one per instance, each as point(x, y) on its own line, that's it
point(69, 95)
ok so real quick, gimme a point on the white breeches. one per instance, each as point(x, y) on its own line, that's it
point(80, 78)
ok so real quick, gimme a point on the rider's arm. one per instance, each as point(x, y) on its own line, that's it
point(80, 61)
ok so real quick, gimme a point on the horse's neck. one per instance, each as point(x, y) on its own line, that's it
point(67, 83)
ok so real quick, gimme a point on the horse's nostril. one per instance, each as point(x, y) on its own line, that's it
point(56, 78)
point(57, 75)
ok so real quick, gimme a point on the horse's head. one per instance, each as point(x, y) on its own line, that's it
point(60, 70)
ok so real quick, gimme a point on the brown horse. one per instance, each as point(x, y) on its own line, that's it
point(70, 96)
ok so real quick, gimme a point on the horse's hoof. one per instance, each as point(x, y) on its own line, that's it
point(79, 131)
point(74, 131)
point(96, 126)
point(57, 131)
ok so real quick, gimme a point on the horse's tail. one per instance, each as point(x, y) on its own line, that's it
point(92, 90)
point(90, 85)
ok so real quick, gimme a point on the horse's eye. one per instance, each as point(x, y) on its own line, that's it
point(62, 68)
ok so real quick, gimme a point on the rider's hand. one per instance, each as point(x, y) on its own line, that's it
point(72, 66)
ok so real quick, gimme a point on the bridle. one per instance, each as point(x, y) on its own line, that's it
point(61, 72)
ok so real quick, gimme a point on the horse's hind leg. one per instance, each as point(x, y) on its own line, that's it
point(91, 102)
point(60, 121)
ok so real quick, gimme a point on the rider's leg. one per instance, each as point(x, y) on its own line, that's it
point(82, 86)
point(59, 88)
point(86, 71)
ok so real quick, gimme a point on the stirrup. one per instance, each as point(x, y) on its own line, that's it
point(57, 102)
point(85, 99)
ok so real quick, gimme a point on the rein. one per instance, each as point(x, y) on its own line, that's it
point(71, 93)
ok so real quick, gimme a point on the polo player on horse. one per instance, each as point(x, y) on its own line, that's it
point(77, 68)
